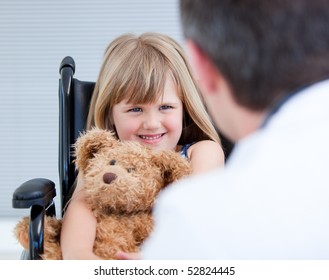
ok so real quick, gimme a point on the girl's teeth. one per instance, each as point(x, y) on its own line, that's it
point(150, 137)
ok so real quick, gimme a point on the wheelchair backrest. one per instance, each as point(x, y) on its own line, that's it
point(74, 101)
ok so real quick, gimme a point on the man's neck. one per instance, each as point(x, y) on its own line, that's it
point(251, 122)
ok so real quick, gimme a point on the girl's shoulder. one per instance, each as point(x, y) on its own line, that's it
point(203, 147)
point(207, 146)
point(206, 155)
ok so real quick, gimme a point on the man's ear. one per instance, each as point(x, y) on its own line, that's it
point(205, 71)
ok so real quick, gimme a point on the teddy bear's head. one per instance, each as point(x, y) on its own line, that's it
point(124, 176)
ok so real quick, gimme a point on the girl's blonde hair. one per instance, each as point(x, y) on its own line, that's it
point(136, 68)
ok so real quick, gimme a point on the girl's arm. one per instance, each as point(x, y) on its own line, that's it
point(79, 227)
point(205, 156)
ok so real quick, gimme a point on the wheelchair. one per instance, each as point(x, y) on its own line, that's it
point(38, 194)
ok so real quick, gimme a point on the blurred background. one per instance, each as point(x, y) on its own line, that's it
point(34, 37)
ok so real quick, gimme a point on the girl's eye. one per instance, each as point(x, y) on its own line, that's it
point(165, 107)
point(135, 110)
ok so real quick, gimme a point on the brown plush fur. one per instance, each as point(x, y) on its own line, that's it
point(122, 180)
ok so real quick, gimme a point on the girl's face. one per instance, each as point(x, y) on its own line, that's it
point(158, 124)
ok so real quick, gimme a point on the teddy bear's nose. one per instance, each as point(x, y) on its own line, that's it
point(109, 177)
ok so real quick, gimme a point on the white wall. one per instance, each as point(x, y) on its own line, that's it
point(34, 37)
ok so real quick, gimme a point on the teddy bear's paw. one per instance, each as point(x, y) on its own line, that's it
point(21, 232)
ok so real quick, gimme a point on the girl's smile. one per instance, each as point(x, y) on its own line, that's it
point(151, 138)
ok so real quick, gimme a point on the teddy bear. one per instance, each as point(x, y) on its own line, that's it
point(122, 182)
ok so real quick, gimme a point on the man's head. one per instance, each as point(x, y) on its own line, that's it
point(263, 50)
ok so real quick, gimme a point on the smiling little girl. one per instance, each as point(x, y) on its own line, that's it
point(145, 92)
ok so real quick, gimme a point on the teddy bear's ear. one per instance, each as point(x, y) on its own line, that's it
point(91, 142)
point(173, 165)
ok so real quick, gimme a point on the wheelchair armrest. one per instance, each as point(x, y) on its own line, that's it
point(37, 191)
point(38, 195)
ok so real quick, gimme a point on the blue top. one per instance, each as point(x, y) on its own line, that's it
point(184, 149)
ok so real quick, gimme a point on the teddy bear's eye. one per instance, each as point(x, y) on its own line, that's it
point(113, 162)
point(130, 169)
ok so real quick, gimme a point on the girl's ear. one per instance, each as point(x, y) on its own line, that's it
point(204, 70)
point(172, 164)
point(91, 142)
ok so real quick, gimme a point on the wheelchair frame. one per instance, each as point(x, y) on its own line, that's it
point(38, 193)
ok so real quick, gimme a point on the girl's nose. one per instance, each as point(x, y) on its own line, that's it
point(151, 121)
